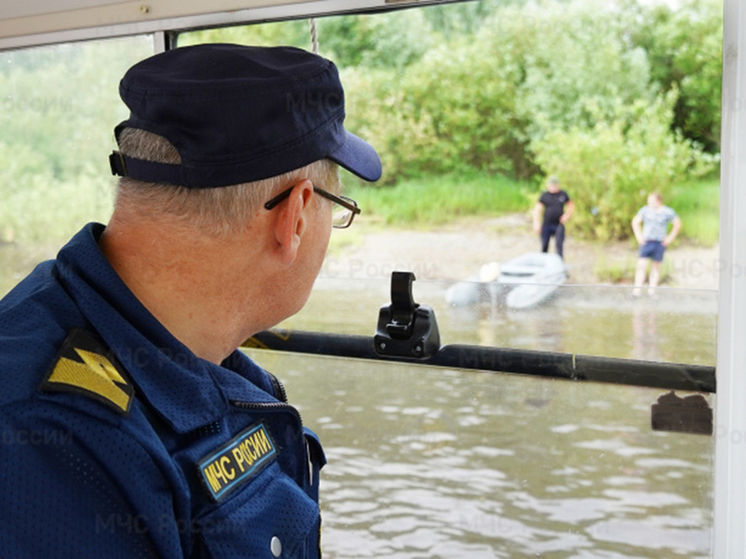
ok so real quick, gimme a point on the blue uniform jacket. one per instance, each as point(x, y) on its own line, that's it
point(117, 441)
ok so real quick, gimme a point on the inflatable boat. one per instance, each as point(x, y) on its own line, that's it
point(523, 282)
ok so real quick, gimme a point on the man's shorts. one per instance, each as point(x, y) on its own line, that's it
point(652, 249)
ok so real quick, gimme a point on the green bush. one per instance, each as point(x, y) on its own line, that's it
point(610, 169)
point(38, 206)
point(530, 71)
point(453, 97)
point(577, 63)
point(56, 132)
point(454, 111)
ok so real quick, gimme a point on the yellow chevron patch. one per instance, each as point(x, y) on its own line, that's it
point(85, 366)
point(256, 343)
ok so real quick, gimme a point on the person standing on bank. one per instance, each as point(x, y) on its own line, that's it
point(650, 226)
point(132, 426)
point(556, 207)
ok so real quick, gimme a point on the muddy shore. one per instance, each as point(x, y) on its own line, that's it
point(458, 250)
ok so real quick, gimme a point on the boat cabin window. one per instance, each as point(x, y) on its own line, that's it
point(423, 460)
point(59, 106)
point(441, 461)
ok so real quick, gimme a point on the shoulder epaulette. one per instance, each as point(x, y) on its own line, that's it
point(86, 366)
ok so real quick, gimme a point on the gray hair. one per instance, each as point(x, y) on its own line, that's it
point(214, 211)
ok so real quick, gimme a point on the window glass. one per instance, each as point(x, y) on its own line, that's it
point(430, 462)
point(678, 327)
point(472, 107)
point(59, 108)
point(448, 462)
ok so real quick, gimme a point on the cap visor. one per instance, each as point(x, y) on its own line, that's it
point(358, 156)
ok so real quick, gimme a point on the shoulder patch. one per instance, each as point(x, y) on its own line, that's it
point(237, 461)
point(85, 366)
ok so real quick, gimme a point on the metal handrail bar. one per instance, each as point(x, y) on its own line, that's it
point(672, 376)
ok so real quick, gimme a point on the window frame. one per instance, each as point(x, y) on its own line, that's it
point(729, 538)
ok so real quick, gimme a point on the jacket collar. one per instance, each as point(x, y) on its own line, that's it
point(183, 388)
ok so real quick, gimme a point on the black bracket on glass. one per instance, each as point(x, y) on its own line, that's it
point(405, 328)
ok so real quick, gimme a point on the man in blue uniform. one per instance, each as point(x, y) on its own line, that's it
point(131, 425)
point(556, 208)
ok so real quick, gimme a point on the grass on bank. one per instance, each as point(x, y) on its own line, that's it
point(698, 205)
point(616, 272)
point(438, 200)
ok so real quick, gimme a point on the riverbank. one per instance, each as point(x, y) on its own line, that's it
point(458, 250)
point(449, 252)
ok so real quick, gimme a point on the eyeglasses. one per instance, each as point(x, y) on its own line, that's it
point(344, 209)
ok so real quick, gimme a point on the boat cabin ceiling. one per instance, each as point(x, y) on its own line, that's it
point(38, 22)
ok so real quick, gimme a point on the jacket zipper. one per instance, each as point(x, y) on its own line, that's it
point(268, 406)
point(278, 387)
point(285, 407)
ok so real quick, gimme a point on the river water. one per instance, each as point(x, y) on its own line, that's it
point(427, 462)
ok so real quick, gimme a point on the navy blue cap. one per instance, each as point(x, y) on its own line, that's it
point(238, 114)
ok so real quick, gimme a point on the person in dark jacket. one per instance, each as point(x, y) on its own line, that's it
point(551, 213)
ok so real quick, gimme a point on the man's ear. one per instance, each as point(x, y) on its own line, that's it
point(291, 220)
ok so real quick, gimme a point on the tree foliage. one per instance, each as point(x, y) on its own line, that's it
point(684, 47)
point(568, 88)
point(60, 106)
point(576, 61)
point(616, 97)
point(293, 33)
point(389, 41)
point(452, 111)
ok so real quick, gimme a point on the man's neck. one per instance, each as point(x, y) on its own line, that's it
point(199, 288)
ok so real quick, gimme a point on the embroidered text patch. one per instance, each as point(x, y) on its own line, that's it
point(236, 462)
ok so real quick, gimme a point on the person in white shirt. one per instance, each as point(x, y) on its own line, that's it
point(650, 226)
